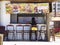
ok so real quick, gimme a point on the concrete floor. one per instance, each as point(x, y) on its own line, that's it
point(56, 42)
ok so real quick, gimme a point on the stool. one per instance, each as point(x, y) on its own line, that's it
point(52, 33)
point(26, 31)
point(19, 32)
point(10, 29)
point(2, 31)
point(43, 32)
point(38, 32)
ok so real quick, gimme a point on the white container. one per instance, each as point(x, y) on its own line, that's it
point(19, 28)
point(10, 28)
point(26, 27)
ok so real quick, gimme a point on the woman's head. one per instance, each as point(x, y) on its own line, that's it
point(33, 21)
point(33, 18)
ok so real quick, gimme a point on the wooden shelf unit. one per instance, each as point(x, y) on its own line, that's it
point(40, 15)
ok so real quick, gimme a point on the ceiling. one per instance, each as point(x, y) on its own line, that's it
point(30, 0)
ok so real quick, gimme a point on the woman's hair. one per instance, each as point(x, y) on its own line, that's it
point(33, 21)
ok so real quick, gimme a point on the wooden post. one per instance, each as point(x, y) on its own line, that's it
point(1, 39)
point(48, 32)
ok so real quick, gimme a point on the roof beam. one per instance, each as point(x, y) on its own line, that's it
point(30, 0)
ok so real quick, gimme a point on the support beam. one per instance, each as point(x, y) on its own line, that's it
point(30, 0)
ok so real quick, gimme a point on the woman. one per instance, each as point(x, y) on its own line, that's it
point(33, 28)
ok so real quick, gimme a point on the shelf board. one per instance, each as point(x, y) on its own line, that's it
point(55, 18)
point(31, 15)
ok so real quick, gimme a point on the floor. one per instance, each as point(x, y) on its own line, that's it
point(56, 42)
